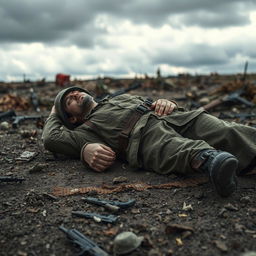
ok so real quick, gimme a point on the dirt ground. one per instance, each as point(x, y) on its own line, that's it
point(30, 212)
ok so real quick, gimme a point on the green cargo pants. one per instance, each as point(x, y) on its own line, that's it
point(166, 148)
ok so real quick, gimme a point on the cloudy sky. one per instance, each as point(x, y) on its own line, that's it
point(119, 38)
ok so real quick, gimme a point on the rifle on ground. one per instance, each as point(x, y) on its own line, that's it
point(231, 98)
point(97, 217)
point(11, 179)
point(88, 246)
point(134, 86)
point(234, 97)
point(109, 204)
point(8, 114)
point(240, 116)
point(18, 119)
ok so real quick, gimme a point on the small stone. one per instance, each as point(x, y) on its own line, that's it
point(4, 126)
point(177, 228)
point(239, 228)
point(37, 168)
point(230, 207)
point(245, 199)
point(96, 219)
point(26, 156)
point(223, 213)
point(135, 211)
point(221, 245)
point(120, 179)
point(169, 252)
point(252, 210)
point(179, 241)
point(186, 234)
point(168, 211)
point(20, 253)
point(154, 252)
point(23, 242)
point(183, 215)
point(204, 101)
point(28, 133)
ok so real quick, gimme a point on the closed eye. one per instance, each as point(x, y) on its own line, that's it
point(67, 101)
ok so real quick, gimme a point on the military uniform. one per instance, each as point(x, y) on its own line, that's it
point(162, 144)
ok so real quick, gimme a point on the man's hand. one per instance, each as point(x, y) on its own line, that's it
point(98, 156)
point(163, 107)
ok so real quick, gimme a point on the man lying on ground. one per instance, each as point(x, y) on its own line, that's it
point(156, 136)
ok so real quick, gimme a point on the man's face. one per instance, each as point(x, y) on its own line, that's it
point(78, 104)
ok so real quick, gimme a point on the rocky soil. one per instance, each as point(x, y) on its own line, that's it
point(182, 218)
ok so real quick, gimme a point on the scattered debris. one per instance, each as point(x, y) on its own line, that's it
point(230, 207)
point(44, 213)
point(120, 179)
point(179, 241)
point(111, 232)
point(223, 213)
point(49, 196)
point(11, 101)
point(239, 228)
point(152, 212)
point(26, 156)
point(187, 207)
point(177, 228)
point(4, 126)
point(38, 167)
point(245, 199)
point(28, 133)
point(183, 215)
point(221, 245)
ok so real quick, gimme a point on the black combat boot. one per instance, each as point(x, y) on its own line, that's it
point(221, 167)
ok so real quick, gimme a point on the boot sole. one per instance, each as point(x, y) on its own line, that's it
point(223, 170)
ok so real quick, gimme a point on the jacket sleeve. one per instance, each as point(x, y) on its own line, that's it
point(58, 139)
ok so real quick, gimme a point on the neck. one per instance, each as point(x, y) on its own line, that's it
point(94, 104)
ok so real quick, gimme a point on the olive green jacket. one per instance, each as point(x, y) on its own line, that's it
point(109, 118)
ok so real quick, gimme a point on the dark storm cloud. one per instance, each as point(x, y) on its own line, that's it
point(191, 56)
point(203, 13)
point(33, 21)
point(74, 21)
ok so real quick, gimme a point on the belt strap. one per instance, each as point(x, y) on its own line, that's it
point(133, 119)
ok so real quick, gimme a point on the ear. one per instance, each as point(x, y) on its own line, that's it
point(72, 119)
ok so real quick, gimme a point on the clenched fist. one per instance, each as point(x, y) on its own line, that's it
point(98, 156)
